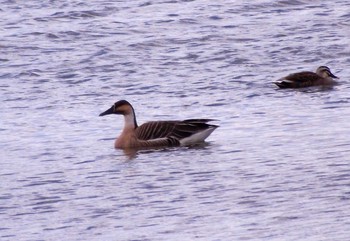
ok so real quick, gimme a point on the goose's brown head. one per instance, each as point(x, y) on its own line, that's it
point(121, 107)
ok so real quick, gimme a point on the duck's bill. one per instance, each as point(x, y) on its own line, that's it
point(333, 76)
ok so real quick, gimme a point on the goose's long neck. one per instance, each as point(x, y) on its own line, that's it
point(130, 121)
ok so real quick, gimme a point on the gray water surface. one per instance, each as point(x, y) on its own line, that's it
point(278, 168)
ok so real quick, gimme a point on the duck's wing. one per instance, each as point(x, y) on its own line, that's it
point(298, 80)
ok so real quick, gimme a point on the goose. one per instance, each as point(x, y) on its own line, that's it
point(323, 76)
point(157, 133)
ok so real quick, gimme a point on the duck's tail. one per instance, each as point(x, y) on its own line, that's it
point(284, 84)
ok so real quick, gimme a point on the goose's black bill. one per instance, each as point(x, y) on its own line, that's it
point(108, 112)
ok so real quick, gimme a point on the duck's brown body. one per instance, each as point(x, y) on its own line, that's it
point(323, 76)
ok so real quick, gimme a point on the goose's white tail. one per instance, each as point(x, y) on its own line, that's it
point(197, 137)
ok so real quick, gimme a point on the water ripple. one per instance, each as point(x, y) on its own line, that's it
point(277, 168)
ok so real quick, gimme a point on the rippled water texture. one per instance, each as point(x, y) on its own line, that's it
point(278, 168)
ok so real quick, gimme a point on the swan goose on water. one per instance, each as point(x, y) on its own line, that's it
point(158, 133)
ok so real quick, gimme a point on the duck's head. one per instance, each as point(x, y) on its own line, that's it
point(121, 107)
point(325, 72)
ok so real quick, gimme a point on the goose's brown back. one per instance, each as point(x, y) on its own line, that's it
point(175, 129)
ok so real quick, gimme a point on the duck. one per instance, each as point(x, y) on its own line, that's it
point(323, 76)
point(158, 133)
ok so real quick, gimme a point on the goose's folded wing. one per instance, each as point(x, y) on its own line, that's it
point(155, 129)
point(159, 142)
point(190, 127)
point(175, 129)
point(202, 121)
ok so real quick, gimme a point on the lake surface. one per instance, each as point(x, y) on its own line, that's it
point(278, 168)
